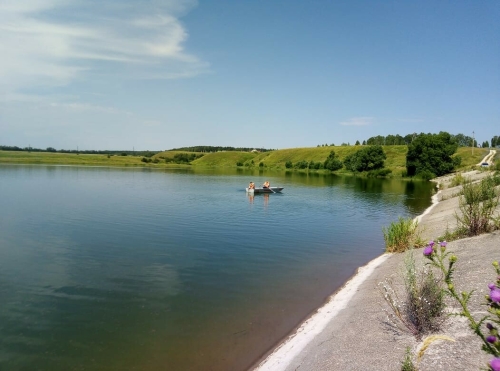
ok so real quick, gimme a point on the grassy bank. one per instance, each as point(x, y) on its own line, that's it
point(396, 157)
point(49, 158)
point(470, 157)
point(276, 160)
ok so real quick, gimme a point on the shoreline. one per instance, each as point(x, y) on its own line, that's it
point(284, 353)
point(281, 356)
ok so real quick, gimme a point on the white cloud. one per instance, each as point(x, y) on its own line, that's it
point(358, 121)
point(47, 43)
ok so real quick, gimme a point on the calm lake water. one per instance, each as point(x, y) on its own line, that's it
point(137, 269)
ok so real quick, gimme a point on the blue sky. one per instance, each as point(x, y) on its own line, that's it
point(160, 74)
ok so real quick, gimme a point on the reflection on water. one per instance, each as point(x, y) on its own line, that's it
point(264, 197)
point(122, 269)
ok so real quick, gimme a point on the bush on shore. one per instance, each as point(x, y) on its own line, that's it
point(401, 235)
point(419, 308)
point(478, 202)
point(431, 154)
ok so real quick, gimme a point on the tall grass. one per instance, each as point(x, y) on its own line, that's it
point(419, 308)
point(401, 235)
point(457, 180)
point(477, 205)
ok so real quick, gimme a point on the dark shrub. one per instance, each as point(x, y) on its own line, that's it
point(379, 173)
point(426, 175)
point(332, 162)
point(431, 153)
point(302, 165)
point(366, 159)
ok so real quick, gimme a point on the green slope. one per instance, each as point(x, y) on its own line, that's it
point(396, 158)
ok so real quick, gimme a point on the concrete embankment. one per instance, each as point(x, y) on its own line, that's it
point(351, 332)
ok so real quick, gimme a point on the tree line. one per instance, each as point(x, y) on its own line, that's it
point(428, 156)
point(219, 149)
point(76, 151)
point(461, 140)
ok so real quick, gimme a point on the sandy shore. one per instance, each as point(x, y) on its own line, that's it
point(351, 331)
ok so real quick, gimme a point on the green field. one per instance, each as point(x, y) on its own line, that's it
point(470, 160)
point(276, 160)
point(49, 158)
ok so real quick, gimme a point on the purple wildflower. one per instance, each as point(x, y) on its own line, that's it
point(431, 243)
point(491, 339)
point(428, 251)
point(495, 364)
point(495, 296)
point(491, 286)
point(489, 326)
point(443, 244)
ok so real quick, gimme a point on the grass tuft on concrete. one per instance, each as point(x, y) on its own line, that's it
point(401, 235)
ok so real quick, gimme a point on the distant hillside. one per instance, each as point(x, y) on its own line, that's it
point(468, 158)
point(396, 157)
point(208, 149)
point(277, 159)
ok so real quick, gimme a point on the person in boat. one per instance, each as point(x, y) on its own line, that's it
point(251, 185)
point(266, 184)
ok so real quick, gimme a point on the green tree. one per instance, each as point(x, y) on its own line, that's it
point(301, 164)
point(408, 138)
point(431, 153)
point(332, 162)
point(462, 140)
point(366, 159)
point(357, 143)
point(378, 140)
point(390, 140)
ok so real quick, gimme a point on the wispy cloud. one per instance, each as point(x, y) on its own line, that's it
point(410, 120)
point(358, 121)
point(85, 107)
point(47, 43)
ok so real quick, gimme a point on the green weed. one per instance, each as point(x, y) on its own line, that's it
point(477, 206)
point(419, 308)
point(400, 235)
point(407, 364)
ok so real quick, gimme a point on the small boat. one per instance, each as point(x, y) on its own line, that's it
point(265, 190)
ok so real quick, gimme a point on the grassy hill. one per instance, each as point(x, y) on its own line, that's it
point(396, 158)
point(50, 158)
point(468, 159)
point(224, 159)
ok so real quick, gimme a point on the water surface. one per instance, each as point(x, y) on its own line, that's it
point(138, 269)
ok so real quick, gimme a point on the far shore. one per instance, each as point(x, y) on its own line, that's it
point(249, 161)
